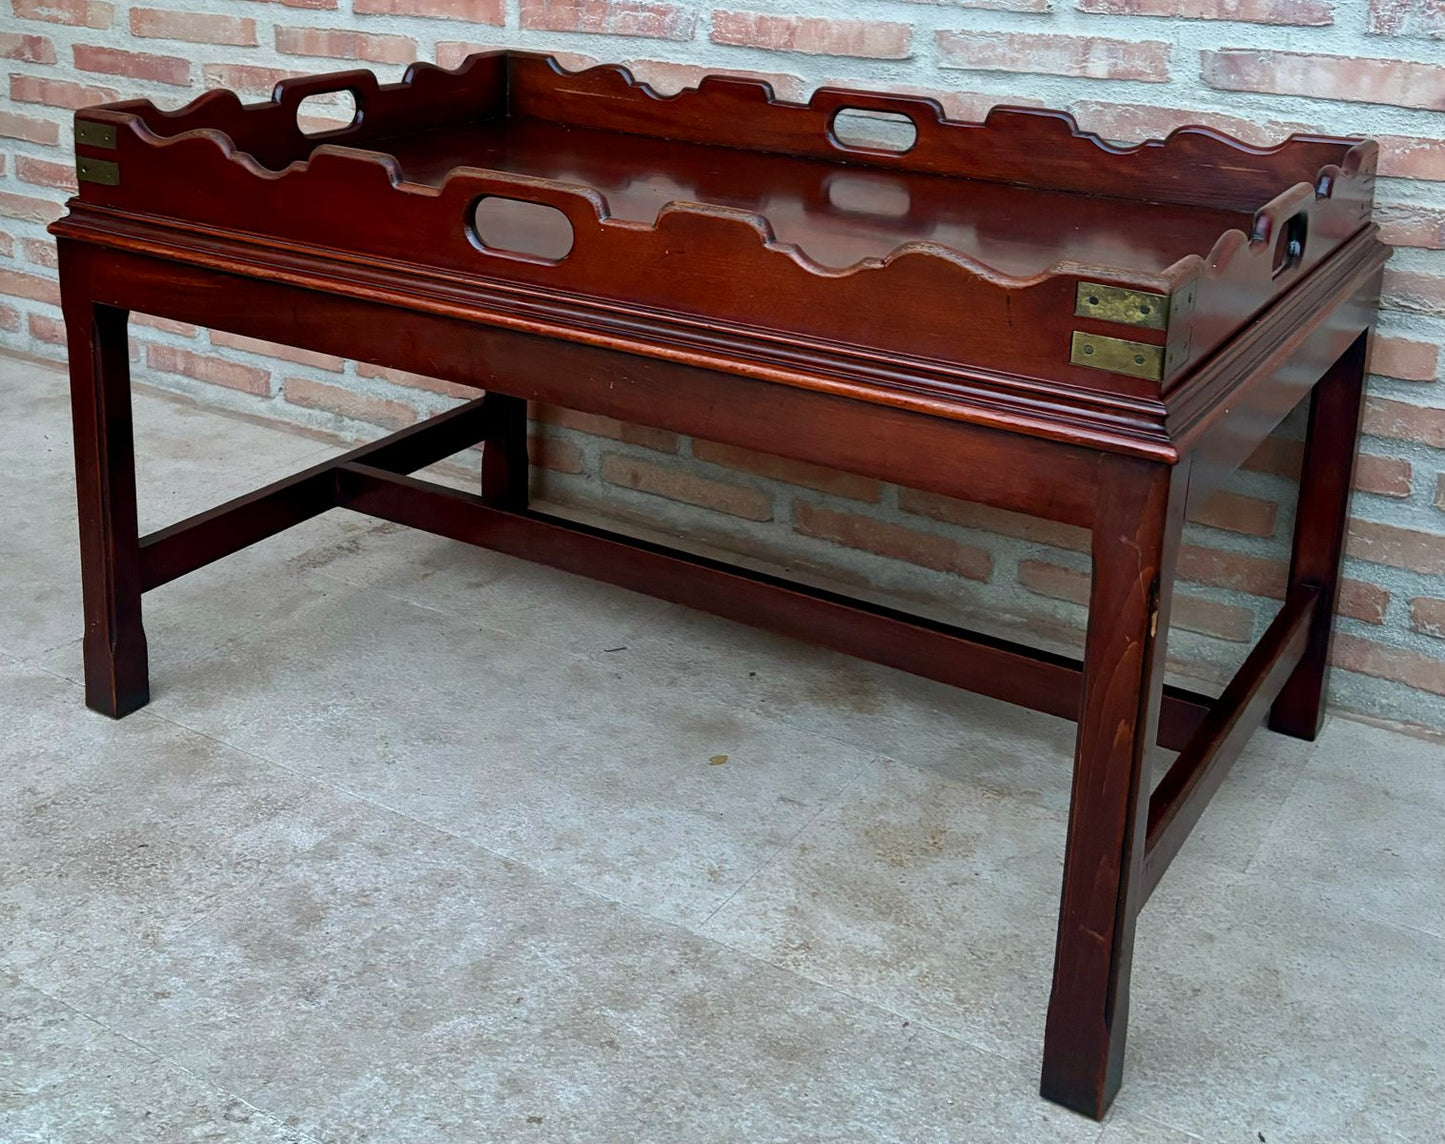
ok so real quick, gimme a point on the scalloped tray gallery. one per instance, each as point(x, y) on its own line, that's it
point(1019, 246)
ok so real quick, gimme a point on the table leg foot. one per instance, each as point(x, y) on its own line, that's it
point(116, 677)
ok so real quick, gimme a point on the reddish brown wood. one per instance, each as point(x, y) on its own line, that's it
point(737, 273)
point(1321, 524)
point(114, 645)
point(208, 536)
point(1186, 788)
point(1136, 539)
point(505, 464)
point(1196, 217)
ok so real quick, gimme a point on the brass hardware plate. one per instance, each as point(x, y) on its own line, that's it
point(1116, 304)
point(1137, 359)
point(88, 133)
point(101, 171)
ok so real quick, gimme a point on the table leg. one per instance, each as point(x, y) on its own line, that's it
point(116, 678)
point(504, 451)
point(1322, 520)
point(1135, 542)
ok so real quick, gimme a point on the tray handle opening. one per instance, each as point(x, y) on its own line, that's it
point(296, 95)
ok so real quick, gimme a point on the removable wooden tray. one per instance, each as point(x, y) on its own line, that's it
point(1020, 247)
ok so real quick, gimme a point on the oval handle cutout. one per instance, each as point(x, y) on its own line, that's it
point(521, 228)
point(882, 195)
point(329, 111)
point(890, 132)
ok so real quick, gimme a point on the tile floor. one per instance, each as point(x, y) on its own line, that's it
point(422, 844)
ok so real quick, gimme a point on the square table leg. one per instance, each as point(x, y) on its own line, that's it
point(1322, 520)
point(116, 677)
point(1138, 520)
point(505, 464)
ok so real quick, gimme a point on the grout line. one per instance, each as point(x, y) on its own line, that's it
point(102, 1026)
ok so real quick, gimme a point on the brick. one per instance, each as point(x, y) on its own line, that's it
point(1440, 492)
point(816, 36)
point(347, 403)
point(24, 206)
point(1085, 57)
point(649, 438)
point(1395, 664)
point(1302, 12)
point(668, 78)
point(249, 79)
point(43, 173)
point(59, 92)
point(46, 329)
point(1045, 579)
point(1405, 290)
point(1398, 83)
point(1277, 455)
point(343, 45)
point(1410, 157)
point(1364, 602)
point(793, 472)
point(1383, 476)
point(679, 485)
point(170, 325)
point(7, 245)
point(9, 318)
point(138, 65)
point(216, 371)
point(41, 251)
point(1405, 359)
point(1235, 513)
point(272, 349)
point(1191, 613)
point(192, 27)
point(940, 553)
point(417, 381)
point(997, 520)
point(450, 53)
point(1412, 18)
point(1408, 225)
point(1427, 615)
point(1211, 618)
point(314, 5)
point(960, 106)
point(1401, 421)
point(1411, 548)
point(76, 13)
point(1252, 574)
point(28, 49)
point(29, 128)
point(994, 5)
point(554, 453)
point(475, 11)
point(1135, 122)
point(658, 21)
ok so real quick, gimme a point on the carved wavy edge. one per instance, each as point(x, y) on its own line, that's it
point(1231, 246)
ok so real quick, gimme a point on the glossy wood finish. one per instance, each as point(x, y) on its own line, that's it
point(1136, 533)
point(739, 274)
point(1321, 525)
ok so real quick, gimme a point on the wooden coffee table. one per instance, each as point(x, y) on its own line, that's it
point(1012, 312)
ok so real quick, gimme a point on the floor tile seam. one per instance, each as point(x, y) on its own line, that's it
point(101, 1027)
point(829, 803)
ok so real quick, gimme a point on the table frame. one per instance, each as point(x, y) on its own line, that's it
point(1134, 495)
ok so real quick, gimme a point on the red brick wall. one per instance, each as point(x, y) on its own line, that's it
point(1128, 69)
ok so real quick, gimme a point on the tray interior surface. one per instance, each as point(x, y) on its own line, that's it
point(837, 213)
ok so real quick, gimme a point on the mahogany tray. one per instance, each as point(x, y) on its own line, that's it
point(1013, 312)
